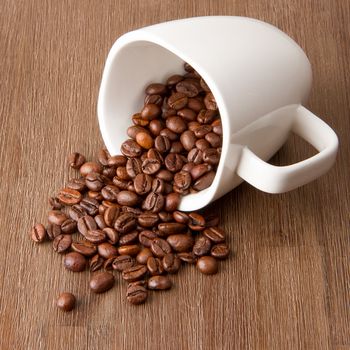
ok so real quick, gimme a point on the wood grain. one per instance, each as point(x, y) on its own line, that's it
point(287, 286)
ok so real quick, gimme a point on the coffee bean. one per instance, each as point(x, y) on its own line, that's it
point(162, 144)
point(142, 257)
point(55, 203)
point(74, 262)
point(215, 234)
point(173, 80)
point(211, 156)
point(56, 217)
point(150, 166)
point(94, 181)
point(150, 111)
point(204, 181)
point(214, 139)
point(180, 242)
point(202, 144)
point(156, 89)
point(154, 154)
point(204, 85)
point(101, 209)
point(142, 183)
point(156, 126)
point(154, 202)
point(100, 282)
point(62, 243)
point(172, 136)
point(217, 127)
point(107, 250)
point(206, 116)
point(121, 184)
point(111, 215)
point(77, 184)
point(146, 237)
point(38, 233)
point(90, 167)
point(173, 162)
point(202, 130)
point(110, 193)
point(136, 295)
point(148, 219)
point(85, 224)
point(189, 87)
point(112, 235)
point(122, 173)
point(123, 262)
point(210, 102)
point(207, 265)
point(170, 228)
point(96, 263)
point(178, 100)
point(53, 231)
point(95, 195)
point(108, 264)
point(182, 180)
point(193, 125)
point(103, 156)
point(172, 201)
point(125, 223)
point(176, 147)
point(155, 266)
point(160, 247)
point(188, 139)
point(199, 170)
point(201, 246)
point(85, 248)
point(130, 148)
point(133, 167)
point(165, 175)
point(116, 161)
point(127, 198)
point(165, 216)
point(90, 205)
point(134, 273)
point(138, 120)
point(158, 185)
point(159, 283)
point(171, 263)
point(197, 222)
point(187, 114)
point(69, 226)
point(129, 238)
point(135, 211)
point(130, 249)
point(220, 251)
point(95, 236)
point(187, 257)
point(144, 139)
point(76, 160)
point(176, 124)
point(100, 222)
point(181, 217)
point(133, 130)
point(154, 99)
point(66, 301)
point(196, 104)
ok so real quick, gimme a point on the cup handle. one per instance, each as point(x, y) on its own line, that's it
point(278, 179)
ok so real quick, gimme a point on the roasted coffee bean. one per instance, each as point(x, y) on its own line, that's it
point(217, 127)
point(210, 102)
point(159, 283)
point(84, 247)
point(172, 201)
point(108, 264)
point(204, 181)
point(76, 160)
point(170, 228)
point(197, 222)
point(156, 89)
point(125, 223)
point(130, 148)
point(121, 184)
point(110, 193)
point(150, 166)
point(187, 257)
point(199, 170)
point(189, 87)
point(156, 126)
point(55, 203)
point(160, 247)
point(207, 265)
point(165, 175)
point(95, 236)
point(133, 167)
point(188, 67)
point(77, 184)
point(142, 183)
point(122, 173)
point(220, 251)
point(96, 263)
point(171, 263)
point(215, 234)
point(181, 191)
point(204, 85)
point(173, 80)
point(129, 238)
point(154, 202)
point(202, 144)
point(188, 167)
point(202, 130)
point(94, 181)
point(211, 156)
point(176, 124)
point(182, 180)
point(134, 273)
point(144, 254)
point(38, 233)
point(111, 215)
point(116, 161)
point(100, 282)
point(101, 209)
point(206, 116)
point(85, 224)
point(195, 156)
point(196, 104)
point(181, 217)
point(130, 249)
point(74, 262)
point(173, 162)
point(123, 262)
point(158, 185)
point(127, 198)
point(193, 125)
point(109, 204)
point(133, 130)
point(181, 242)
point(202, 246)
point(62, 243)
point(166, 111)
point(213, 139)
point(178, 100)
point(66, 301)
point(100, 222)
point(90, 167)
point(144, 139)
point(69, 226)
point(148, 219)
point(154, 154)
point(95, 195)
point(56, 217)
point(155, 266)
point(150, 111)
point(103, 156)
point(146, 237)
point(138, 120)
point(162, 144)
point(172, 136)
point(53, 231)
point(90, 205)
point(187, 114)
point(107, 250)
point(112, 235)
point(176, 147)
point(188, 140)
point(136, 295)
point(165, 216)
point(135, 211)
point(153, 99)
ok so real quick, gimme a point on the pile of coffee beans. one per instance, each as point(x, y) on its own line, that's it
point(124, 207)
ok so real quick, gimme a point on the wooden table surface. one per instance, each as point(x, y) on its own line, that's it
point(287, 285)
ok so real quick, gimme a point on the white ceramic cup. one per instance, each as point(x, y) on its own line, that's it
point(259, 76)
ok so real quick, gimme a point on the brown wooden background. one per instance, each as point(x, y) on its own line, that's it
point(287, 286)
